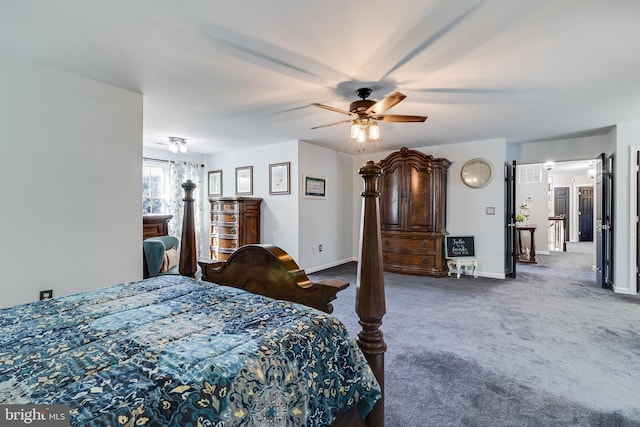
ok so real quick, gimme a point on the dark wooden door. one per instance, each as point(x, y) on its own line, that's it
point(608, 221)
point(599, 215)
point(585, 214)
point(637, 223)
point(418, 197)
point(510, 219)
point(561, 206)
point(391, 198)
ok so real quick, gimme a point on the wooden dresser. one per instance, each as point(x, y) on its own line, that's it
point(413, 213)
point(235, 221)
point(155, 225)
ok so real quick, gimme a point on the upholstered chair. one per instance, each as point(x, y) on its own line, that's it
point(161, 256)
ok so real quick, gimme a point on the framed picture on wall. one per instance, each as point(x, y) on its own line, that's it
point(244, 180)
point(215, 183)
point(279, 174)
point(314, 187)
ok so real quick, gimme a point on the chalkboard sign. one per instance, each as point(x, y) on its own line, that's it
point(459, 246)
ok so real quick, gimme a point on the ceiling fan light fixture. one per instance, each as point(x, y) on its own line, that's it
point(355, 129)
point(374, 131)
point(365, 114)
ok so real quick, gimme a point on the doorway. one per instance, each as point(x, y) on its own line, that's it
point(562, 204)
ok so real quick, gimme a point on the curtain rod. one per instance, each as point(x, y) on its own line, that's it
point(155, 160)
point(164, 161)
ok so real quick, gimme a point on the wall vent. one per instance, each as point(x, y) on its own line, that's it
point(530, 174)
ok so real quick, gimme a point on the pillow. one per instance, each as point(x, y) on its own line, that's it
point(171, 259)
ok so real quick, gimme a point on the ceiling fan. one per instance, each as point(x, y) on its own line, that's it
point(365, 114)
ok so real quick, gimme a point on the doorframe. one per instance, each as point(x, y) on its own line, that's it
point(633, 219)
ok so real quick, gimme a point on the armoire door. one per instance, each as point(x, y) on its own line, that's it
point(418, 198)
point(392, 197)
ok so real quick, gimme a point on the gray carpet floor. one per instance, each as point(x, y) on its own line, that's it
point(549, 348)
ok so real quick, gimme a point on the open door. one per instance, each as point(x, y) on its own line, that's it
point(637, 222)
point(510, 219)
point(604, 218)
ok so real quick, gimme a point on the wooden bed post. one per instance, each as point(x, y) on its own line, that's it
point(188, 261)
point(370, 299)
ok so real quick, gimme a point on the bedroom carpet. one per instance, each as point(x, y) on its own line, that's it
point(550, 348)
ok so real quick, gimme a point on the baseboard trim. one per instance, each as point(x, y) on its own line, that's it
point(311, 270)
point(325, 266)
point(491, 275)
point(623, 291)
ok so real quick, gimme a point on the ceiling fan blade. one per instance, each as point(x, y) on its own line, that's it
point(386, 103)
point(337, 110)
point(399, 118)
point(331, 124)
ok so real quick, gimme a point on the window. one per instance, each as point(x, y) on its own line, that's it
point(154, 184)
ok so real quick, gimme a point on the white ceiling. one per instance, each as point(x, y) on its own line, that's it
point(236, 74)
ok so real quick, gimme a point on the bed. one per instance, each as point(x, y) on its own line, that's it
point(250, 344)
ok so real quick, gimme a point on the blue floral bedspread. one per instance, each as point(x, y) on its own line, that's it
point(173, 351)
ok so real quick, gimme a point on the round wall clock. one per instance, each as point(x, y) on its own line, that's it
point(476, 173)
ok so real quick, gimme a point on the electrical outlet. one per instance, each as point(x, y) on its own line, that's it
point(319, 248)
point(48, 294)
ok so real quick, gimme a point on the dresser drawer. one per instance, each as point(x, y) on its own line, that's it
point(394, 258)
point(408, 245)
point(219, 254)
point(224, 206)
point(223, 243)
point(229, 230)
point(224, 217)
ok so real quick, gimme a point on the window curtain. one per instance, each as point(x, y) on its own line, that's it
point(179, 172)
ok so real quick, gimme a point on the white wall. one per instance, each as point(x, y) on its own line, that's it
point(279, 218)
point(466, 207)
point(70, 181)
point(559, 150)
point(298, 225)
point(325, 222)
point(536, 196)
point(625, 193)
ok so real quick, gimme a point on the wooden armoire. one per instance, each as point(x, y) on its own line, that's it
point(413, 213)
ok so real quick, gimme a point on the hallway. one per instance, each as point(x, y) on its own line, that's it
point(577, 263)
